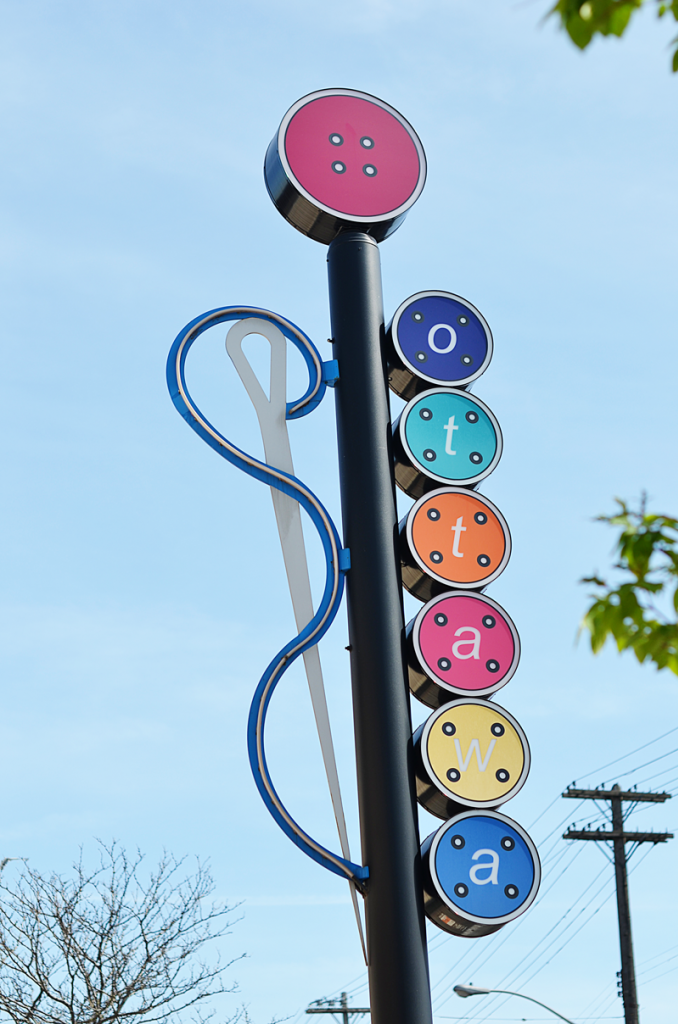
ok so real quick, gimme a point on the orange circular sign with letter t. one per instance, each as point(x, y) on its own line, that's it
point(453, 538)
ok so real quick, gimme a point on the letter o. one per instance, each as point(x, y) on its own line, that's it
point(432, 338)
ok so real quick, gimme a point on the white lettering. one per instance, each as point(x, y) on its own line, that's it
point(449, 428)
point(432, 338)
point(464, 762)
point(474, 644)
point(491, 866)
point(457, 530)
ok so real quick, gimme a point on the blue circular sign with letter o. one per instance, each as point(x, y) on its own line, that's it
point(481, 871)
point(437, 338)
point(444, 436)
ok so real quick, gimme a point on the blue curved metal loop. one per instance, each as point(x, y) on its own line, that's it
point(334, 580)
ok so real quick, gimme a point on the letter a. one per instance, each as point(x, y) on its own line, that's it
point(492, 867)
point(474, 644)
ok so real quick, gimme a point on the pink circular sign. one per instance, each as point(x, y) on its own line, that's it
point(466, 643)
point(343, 159)
point(352, 155)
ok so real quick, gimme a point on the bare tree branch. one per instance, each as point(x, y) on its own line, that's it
point(111, 945)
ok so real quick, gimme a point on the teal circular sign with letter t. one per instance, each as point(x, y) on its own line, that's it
point(447, 437)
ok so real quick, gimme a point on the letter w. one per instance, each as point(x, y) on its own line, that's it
point(474, 745)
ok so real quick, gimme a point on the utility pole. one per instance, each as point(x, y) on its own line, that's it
point(336, 1006)
point(619, 838)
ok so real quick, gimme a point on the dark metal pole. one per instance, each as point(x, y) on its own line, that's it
point(628, 973)
point(396, 938)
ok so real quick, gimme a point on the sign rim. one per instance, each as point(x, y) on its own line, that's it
point(465, 914)
point(417, 370)
point(454, 797)
point(419, 618)
point(477, 584)
point(468, 481)
point(339, 214)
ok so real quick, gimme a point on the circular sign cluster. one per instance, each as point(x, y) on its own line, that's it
point(481, 869)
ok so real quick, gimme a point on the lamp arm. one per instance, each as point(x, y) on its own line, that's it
point(503, 992)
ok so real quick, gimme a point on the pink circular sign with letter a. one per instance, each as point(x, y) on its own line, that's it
point(344, 159)
point(461, 644)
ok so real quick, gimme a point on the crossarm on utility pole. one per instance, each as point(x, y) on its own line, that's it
point(628, 796)
point(600, 835)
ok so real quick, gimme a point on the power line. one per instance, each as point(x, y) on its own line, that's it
point(660, 964)
point(670, 971)
point(669, 950)
point(645, 764)
point(630, 754)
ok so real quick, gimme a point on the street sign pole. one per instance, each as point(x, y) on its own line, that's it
point(344, 168)
point(396, 939)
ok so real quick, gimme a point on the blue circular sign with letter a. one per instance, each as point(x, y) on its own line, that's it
point(481, 870)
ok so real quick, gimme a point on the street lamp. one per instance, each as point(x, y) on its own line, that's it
point(470, 990)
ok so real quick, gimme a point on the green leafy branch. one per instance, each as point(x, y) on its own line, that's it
point(583, 20)
point(647, 548)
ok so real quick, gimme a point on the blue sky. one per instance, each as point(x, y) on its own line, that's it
point(143, 591)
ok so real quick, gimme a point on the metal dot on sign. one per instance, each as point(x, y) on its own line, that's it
point(425, 413)
point(366, 142)
point(497, 729)
point(511, 891)
point(492, 665)
point(467, 360)
point(440, 619)
point(483, 560)
point(463, 320)
point(458, 842)
point(436, 557)
point(421, 357)
point(453, 774)
point(444, 664)
point(336, 139)
point(461, 890)
point(370, 170)
point(433, 514)
point(472, 417)
point(338, 167)
point(418, 317)
point(489, 621)
point(507, 843)
point(476, 458)
point(449, 728)
point(429, 455)
point(480, 518)
point(502, 775)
